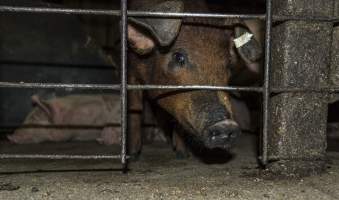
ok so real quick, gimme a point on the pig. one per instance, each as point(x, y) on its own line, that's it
point(199, 51)
point(73, 110)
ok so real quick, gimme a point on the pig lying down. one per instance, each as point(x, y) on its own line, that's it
point(74, 110)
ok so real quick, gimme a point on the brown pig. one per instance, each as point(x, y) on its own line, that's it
point(199, 51)
point(79, 111)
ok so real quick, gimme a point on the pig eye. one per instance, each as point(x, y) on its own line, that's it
point(179, 58)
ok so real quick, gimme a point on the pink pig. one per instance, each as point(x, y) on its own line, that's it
point(101, 111)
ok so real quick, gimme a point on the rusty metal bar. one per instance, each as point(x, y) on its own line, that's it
point(266, 92)
point(123, 91)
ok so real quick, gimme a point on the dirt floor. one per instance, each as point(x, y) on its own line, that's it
point(157, 175)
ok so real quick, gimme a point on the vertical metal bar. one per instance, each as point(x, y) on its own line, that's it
point(123, 81)
point(266, 92)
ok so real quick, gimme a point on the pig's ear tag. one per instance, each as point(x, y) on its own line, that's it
point(243, 39)
point(163, 30)
point(248, 48)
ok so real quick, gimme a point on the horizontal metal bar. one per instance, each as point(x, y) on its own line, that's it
point(15, 126)
point(118, 13)
point(58, 157)
point(61, 126)
point(58, 10)
point(158, 14)
point(129, 87)
point(162, 87)
point(193, 87)
point(195, 15)
point(59, 85)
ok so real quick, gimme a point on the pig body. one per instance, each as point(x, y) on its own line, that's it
point(74, 114)
point(189, 52)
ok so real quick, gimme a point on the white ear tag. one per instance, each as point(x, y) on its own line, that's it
point(242, 40)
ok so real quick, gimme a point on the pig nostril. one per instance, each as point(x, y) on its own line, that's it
point(221, 135)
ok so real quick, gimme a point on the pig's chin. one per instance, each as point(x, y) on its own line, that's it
point(207, 145)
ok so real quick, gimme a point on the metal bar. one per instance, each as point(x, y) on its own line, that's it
point(123, 91)
point(57, 157)
point(162, 87)
point(193, 87)
point(15, 126)
point(118, 13)
point(266, 91)
point(24, 9)
point(59, 85)
point(157, 14)
point(129, 87)
point(193, 15)
point(61, 126)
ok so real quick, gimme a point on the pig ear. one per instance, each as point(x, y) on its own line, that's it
point(51, 109)
point(249, 49)
point(140, 42)
point(142, 31)
point(43, 106)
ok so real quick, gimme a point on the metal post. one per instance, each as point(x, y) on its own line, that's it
point(123, 81)
point(266, 92)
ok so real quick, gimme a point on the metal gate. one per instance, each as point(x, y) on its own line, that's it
point(123, 13)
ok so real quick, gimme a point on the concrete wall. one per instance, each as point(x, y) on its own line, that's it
point(300, 58)
point(335, 50)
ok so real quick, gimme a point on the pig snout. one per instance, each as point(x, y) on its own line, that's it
point(221, 135)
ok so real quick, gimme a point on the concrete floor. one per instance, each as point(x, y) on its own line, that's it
point(157, 175)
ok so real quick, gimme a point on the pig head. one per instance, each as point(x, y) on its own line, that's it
point(192, 52)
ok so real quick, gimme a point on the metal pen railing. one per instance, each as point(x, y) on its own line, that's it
point(123, 13)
